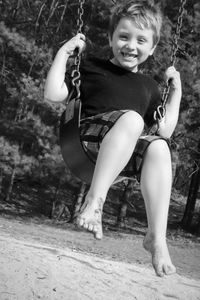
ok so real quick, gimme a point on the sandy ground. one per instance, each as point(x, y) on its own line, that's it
point(39, 261)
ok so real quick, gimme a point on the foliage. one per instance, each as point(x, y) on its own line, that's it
point(30, 34)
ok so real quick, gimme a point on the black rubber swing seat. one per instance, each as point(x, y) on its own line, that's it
point(71, 147)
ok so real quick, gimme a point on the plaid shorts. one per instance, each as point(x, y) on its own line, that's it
point(93, 130)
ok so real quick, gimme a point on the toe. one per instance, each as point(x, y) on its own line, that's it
point(159, 270)
point(79, 222)
point(85, 225)
point(169, 269)
point(98, 234)
point(90, 227)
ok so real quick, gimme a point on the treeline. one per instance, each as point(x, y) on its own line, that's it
point(30, 34)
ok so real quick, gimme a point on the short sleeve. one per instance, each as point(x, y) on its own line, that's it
point(155, 101)
point(68, 79)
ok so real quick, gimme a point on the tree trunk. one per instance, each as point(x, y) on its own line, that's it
point(192, 196)
point(124, 204)
point(57, 190)
point(62, 16)
point(191, 201)
point(1, 103)
point(2, 86)
point(198, 227)
point(79, 200)
point(60, 211)
point(54, 200)
point(20, 111)
point(57, 206)
point(16, 9)
point(10, 188)
point(1, 181)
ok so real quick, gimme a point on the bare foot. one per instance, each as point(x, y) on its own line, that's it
point(90, 217)
point(161, 260)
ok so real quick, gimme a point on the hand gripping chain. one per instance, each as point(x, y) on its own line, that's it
point(160, 112)
point(76, 82)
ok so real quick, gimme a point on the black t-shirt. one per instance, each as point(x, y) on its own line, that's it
point(106, 87)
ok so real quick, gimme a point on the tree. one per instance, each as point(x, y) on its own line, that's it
point(192, 195)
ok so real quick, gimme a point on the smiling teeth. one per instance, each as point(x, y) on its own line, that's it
point(129, 55)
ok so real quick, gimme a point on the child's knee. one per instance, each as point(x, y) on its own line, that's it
point(132, 123)
point(159, 151)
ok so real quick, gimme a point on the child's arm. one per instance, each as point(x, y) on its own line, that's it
point(168, 124)
point(55, 87)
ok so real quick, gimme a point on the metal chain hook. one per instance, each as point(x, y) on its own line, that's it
point(76, 82)
point(79, 30)
point(160, 112)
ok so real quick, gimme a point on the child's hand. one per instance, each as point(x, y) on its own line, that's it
point(173, 77)
point(77, 42)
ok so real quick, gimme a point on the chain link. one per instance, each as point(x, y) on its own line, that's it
point(160, 112)
point(177, 32)
point(76, 82)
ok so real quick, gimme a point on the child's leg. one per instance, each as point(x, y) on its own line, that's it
point(156, 180)
point(115, 152)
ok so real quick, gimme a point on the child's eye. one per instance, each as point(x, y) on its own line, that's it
point(123, 37)
point(141, 40)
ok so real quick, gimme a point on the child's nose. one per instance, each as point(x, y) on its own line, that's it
point(131, 44)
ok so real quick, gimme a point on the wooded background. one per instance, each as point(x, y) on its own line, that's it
point(30, 34)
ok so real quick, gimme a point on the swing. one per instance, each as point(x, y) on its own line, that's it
point(72, 150)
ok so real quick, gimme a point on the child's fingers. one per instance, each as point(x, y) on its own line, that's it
point(173, 77)
point(81, 45)
point(81, 36)
point(171, 73)
point(77, 41)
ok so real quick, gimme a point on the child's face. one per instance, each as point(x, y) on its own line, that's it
point(131, 46)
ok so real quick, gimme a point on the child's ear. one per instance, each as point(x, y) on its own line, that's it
point(152, 50)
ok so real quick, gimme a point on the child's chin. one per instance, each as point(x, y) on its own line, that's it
point(129, 66)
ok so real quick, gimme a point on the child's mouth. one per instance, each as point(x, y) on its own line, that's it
point(129, 55)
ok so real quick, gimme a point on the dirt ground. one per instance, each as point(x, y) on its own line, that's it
point(39, 260)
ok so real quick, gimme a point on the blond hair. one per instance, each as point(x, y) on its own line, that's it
point(142, 13)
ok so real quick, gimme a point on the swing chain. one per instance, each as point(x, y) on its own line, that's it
point(177, 32)
point(76, 82)
point(160, 112)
